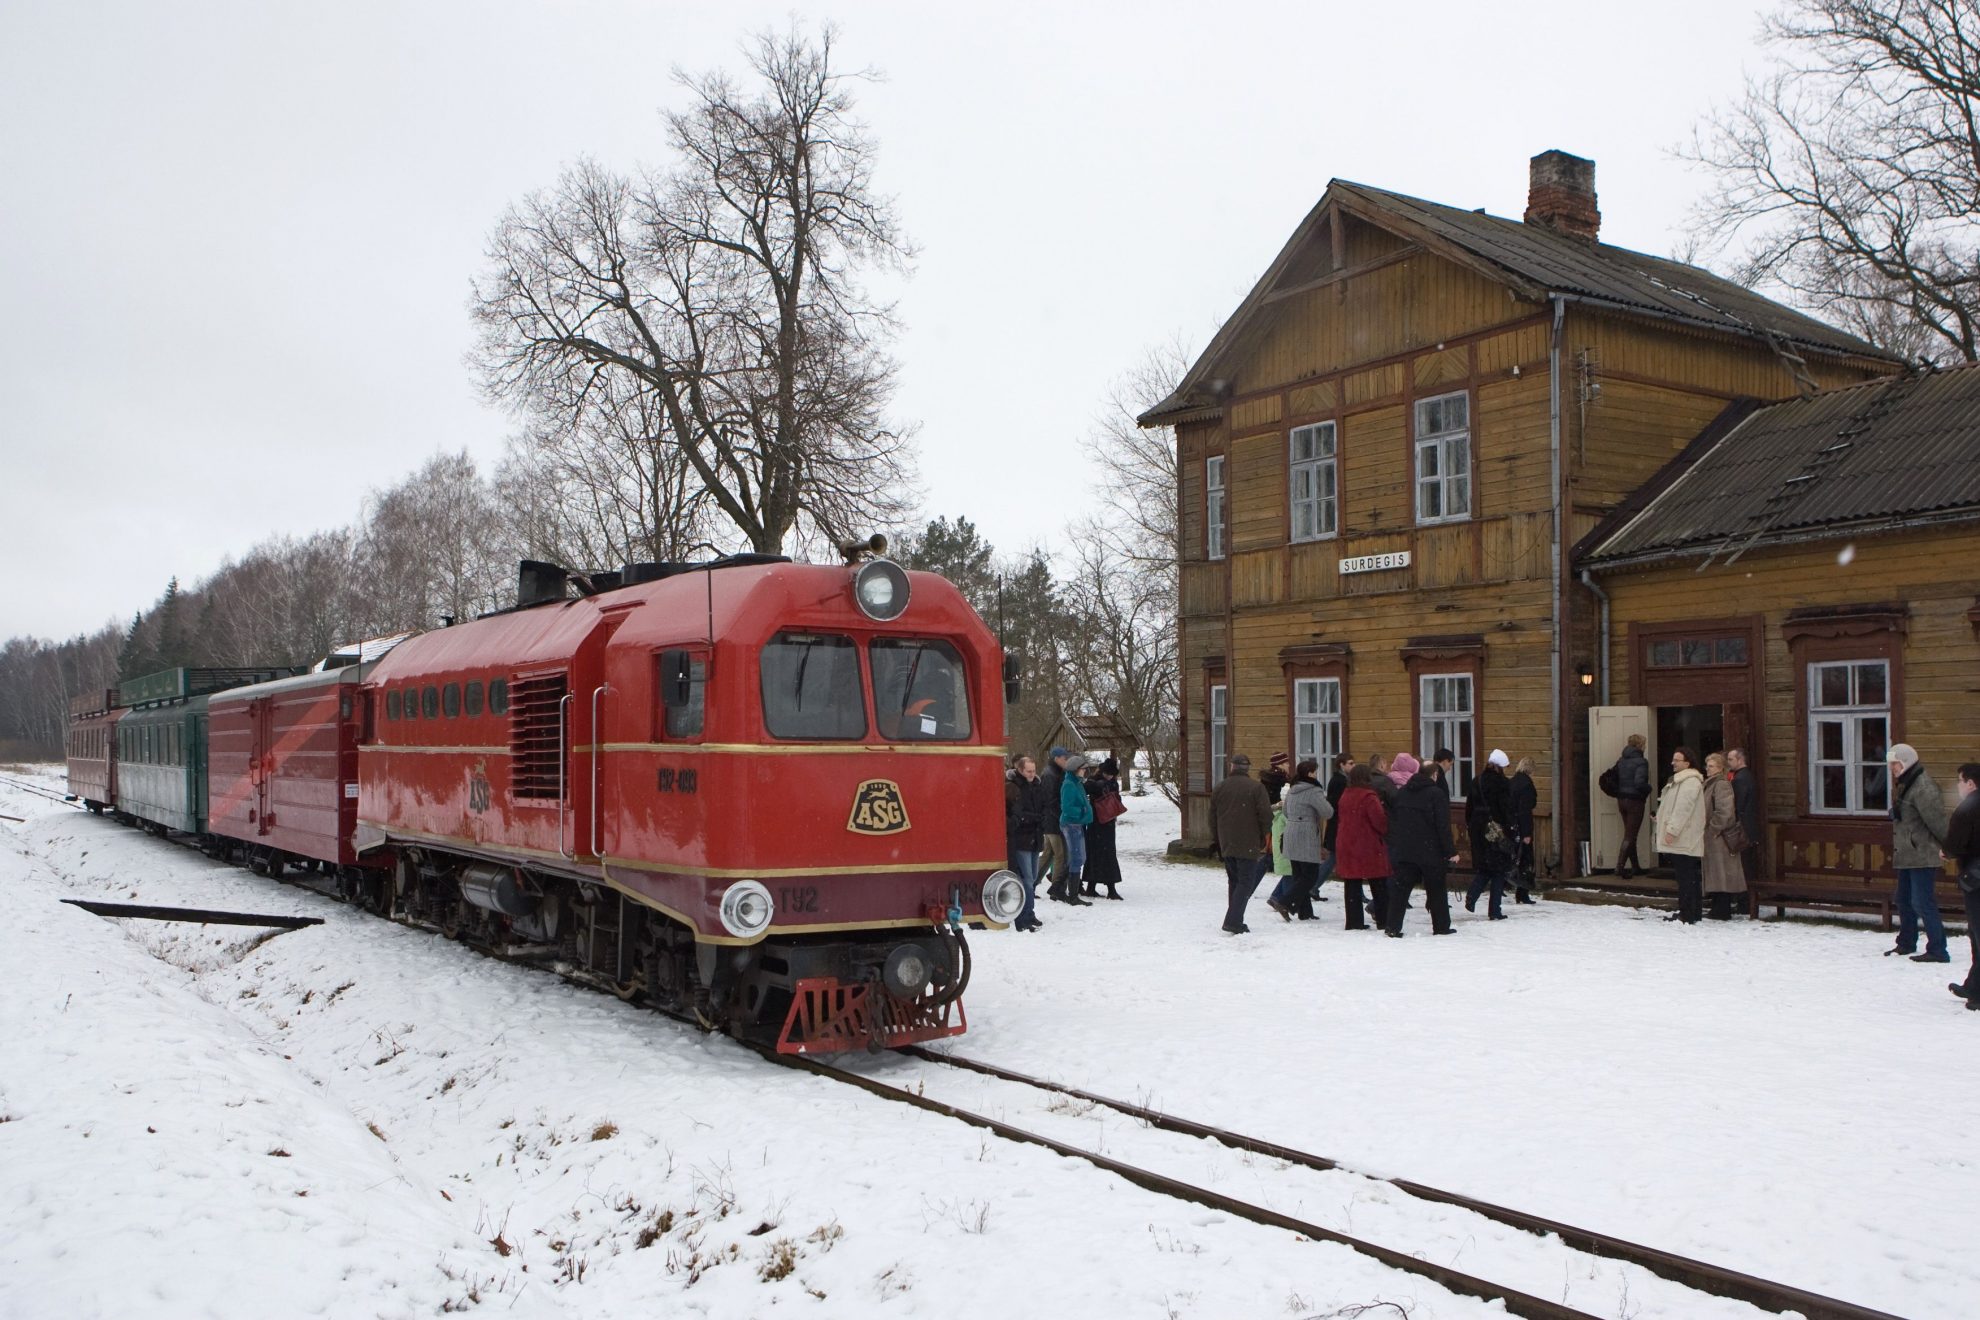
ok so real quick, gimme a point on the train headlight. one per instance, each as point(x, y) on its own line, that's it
point(747, 909)
point(880, 589)
point(1003, 896)
point(907, 971)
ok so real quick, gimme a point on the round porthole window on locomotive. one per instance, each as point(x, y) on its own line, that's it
point(392, 703)
point(429, 702)
point(498, 696)
point(412, 702)
point(450, 700)
point(472, 696)
point(880, 589)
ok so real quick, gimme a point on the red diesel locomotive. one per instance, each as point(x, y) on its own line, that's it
point(765, 793)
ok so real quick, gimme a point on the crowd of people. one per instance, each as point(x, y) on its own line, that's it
point(1059, 826)
point(1383, 829)
point(1709, 823)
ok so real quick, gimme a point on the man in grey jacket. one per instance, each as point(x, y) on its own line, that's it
point(1918, 829)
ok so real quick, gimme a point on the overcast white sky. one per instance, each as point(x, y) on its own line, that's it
point(236, 239)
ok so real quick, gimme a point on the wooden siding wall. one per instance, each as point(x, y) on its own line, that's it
point(1654, 388)
point(1932, 571)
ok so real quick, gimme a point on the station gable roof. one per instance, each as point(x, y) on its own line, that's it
point(1530, 259)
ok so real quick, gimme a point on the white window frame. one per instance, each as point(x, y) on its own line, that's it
point(1312, 457)
point(1220, 729)
point(1455, 728)
point(1851, 717)
point(1449, 454)
point(1214, 506)
point(1317, 720)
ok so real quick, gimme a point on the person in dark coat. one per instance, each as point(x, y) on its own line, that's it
point(1103, 863)
point(1422, 850)
point(1490, 804)
point(1746, 809)
point(1052, 865)
point(1361, 851)
point(1524, 799)
point(1026, 803)
point(1632, 793)
point(1962, 849)
point(1241, 829)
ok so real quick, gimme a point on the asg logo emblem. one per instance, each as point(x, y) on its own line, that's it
point(878, 809)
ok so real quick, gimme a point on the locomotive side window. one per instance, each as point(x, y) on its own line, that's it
point(811, 687)
point(429, 702)
point(498, 696)
point(412, 702)
point(683, 718)
point(392, 704)
point(450, 700)
point(472, 696)
point(919, 693)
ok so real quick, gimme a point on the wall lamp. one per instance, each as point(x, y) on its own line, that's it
point(1586, 673)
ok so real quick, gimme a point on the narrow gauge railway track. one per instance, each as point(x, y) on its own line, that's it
point(1698, 1276)
point(39, 790)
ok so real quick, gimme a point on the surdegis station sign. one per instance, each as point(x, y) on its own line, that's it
point(1376, 563)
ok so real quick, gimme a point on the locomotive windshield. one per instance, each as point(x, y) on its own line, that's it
point(918, 690)
point(811, 687)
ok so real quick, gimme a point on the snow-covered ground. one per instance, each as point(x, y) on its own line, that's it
point(358, 1119)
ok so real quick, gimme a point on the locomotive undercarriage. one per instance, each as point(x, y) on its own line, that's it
point(809, 994)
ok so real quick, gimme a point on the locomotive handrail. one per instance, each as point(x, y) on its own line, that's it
point(563, 770)
point(596, 742)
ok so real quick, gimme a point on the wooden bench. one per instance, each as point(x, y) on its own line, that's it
point(1845, 893)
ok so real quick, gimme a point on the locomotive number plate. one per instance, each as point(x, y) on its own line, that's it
point(878, 809)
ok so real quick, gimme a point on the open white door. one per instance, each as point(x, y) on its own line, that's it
point(1609, 728)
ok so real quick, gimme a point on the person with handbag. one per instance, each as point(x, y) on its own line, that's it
point(1680, 829)
point(1632, 792)
point(1489, 818)
point(1962, 849)
point(1725, 840)
point(1103, 863)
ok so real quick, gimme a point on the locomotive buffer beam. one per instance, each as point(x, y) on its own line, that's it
point(203, 916)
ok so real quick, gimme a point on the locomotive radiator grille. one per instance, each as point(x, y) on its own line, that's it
point(535, 735)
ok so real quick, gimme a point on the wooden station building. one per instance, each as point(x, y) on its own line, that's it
point(1803, 581)
point(1387, 453)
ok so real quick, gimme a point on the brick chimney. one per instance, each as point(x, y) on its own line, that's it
point(1560, 195)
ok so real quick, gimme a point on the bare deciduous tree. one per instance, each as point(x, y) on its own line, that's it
point(1850, 175)
point(603, 486)
point(724, 294)
point(1124, 586)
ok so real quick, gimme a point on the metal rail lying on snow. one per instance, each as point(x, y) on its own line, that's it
point(203, 916)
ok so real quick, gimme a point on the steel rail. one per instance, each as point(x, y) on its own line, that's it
point(27, 786)
point(1701, 1276)
point(1515, 1302)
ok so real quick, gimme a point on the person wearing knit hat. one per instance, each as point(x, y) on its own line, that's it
point(1918, 829)
point(1499, 759)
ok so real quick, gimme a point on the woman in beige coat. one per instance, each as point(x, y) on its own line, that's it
point(1725, 875)
point(1681, 833)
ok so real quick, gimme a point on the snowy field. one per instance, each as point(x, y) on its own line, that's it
point(356, 1119)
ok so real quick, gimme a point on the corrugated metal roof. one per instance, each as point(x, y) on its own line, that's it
point(1596, 270)
point(1904, 447)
